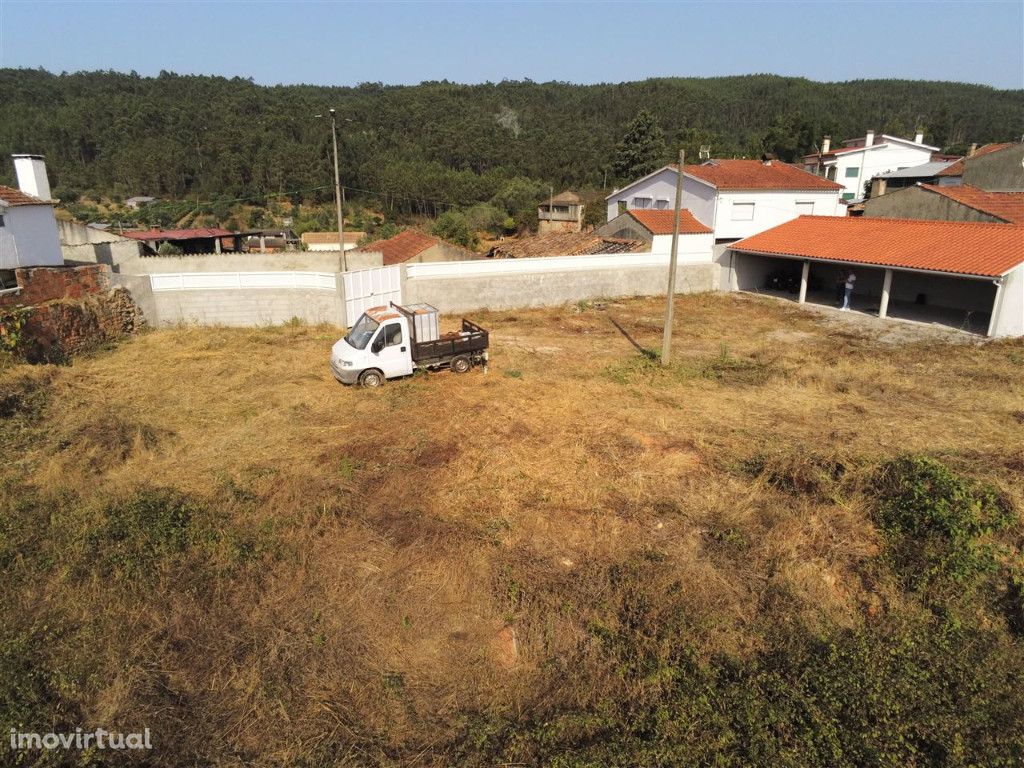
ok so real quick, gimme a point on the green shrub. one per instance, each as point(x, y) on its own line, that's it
point(936, 523)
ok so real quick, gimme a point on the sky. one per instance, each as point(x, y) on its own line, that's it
point(344, 43)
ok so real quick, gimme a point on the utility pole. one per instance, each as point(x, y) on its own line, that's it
point(666, 340)
point(337, 194)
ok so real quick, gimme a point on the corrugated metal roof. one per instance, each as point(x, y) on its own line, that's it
point(923, 171)
point(967, 248)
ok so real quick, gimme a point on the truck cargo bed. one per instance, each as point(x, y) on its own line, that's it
point(472, 339)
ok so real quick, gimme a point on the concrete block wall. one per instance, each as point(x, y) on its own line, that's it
point(247, 307)
point(546, 289)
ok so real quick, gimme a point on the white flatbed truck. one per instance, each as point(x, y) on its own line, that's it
point(393, 341)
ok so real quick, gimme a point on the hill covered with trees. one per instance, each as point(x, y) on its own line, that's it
point(420, 149)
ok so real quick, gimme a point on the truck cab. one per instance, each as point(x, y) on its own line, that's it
point(393, 341)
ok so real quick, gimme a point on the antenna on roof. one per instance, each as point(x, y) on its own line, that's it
point(705, 152)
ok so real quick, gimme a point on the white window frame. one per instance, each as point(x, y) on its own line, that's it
point(637, 202)
point(742, 211)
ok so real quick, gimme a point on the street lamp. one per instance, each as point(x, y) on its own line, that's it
point(337, 191)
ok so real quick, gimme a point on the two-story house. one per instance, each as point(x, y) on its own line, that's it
point(735, 198)
point(859, 160)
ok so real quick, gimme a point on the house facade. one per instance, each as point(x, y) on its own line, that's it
point(948, 203)
point(859, 160)
point(734, 198)
point(562, 213)
point(28, 228)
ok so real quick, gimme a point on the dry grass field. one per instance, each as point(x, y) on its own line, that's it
point(576, 558)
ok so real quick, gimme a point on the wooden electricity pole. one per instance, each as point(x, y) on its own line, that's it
point(666, 340)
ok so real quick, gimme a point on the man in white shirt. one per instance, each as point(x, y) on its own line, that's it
point(850, 280)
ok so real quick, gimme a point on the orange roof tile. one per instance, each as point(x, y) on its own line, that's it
point(1008, 206)
point(957, 168)
point(12, 197)
point(754, 174)
point(661, 222)
point(402, 247)
point(968, 248)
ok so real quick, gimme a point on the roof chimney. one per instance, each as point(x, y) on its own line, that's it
point(31, 172)
point(919, 137)
point(869, 140)
point(826, 145)
point(974, 148)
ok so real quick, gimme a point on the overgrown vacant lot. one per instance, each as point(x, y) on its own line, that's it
point(799, 545)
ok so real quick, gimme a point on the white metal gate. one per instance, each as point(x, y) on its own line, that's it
point(367, 288)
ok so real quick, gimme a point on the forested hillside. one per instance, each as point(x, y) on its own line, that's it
point(416, 148)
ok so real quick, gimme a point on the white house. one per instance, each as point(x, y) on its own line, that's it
point(735, 198)
point(28, 228)
point(859, 160)
point(328, 241)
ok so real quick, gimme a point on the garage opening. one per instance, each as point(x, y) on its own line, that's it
point(957, 302)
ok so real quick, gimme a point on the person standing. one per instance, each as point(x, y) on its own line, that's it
point(851, 280)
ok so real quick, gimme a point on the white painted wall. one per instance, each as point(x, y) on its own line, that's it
point(1010, 320)
point(882, 158)
point(329, 246)
point(661, 185)
point(29, 237)
point(693, 249)
point(771, 208)
point(713, 208)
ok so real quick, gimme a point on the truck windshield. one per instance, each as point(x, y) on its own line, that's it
point(362, 332)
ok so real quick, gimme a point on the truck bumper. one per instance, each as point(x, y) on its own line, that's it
point(345, 375)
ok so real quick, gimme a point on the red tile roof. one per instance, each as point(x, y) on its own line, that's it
point(754, 174)
point(177, 234)
point(660, 222)
point(12, 197)
point(957, 168)
point(1008, 206)
point(402, 247)
point(967, 248)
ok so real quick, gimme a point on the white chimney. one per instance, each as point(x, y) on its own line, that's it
point(31, 172)
point(919, 137)
point(826, 145)
point(869, 140)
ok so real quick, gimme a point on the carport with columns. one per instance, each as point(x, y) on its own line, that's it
point(970, 277)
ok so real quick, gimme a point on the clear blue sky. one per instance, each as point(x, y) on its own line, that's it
point(340, 43)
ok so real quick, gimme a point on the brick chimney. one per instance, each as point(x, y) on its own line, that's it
point(826, 145)
point(31, 173)
point(974, 148)
point(869, 140)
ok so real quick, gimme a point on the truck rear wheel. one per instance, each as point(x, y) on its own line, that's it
point(461, 364)
point(371, 378)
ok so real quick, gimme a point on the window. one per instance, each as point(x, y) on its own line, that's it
point(1, 219)
point(661, 204)
point(622, 206)
point(392, 335)
point(742, 211)
point(847, 195)
point(641, 202)
point(805, 208)
point(852, 172)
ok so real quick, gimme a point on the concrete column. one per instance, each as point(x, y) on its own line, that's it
point(263, 243)
point(803, 282)
point(216, 245)
point(883, 307)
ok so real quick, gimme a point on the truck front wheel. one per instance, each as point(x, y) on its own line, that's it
point(461, 364)
point(371, 378)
